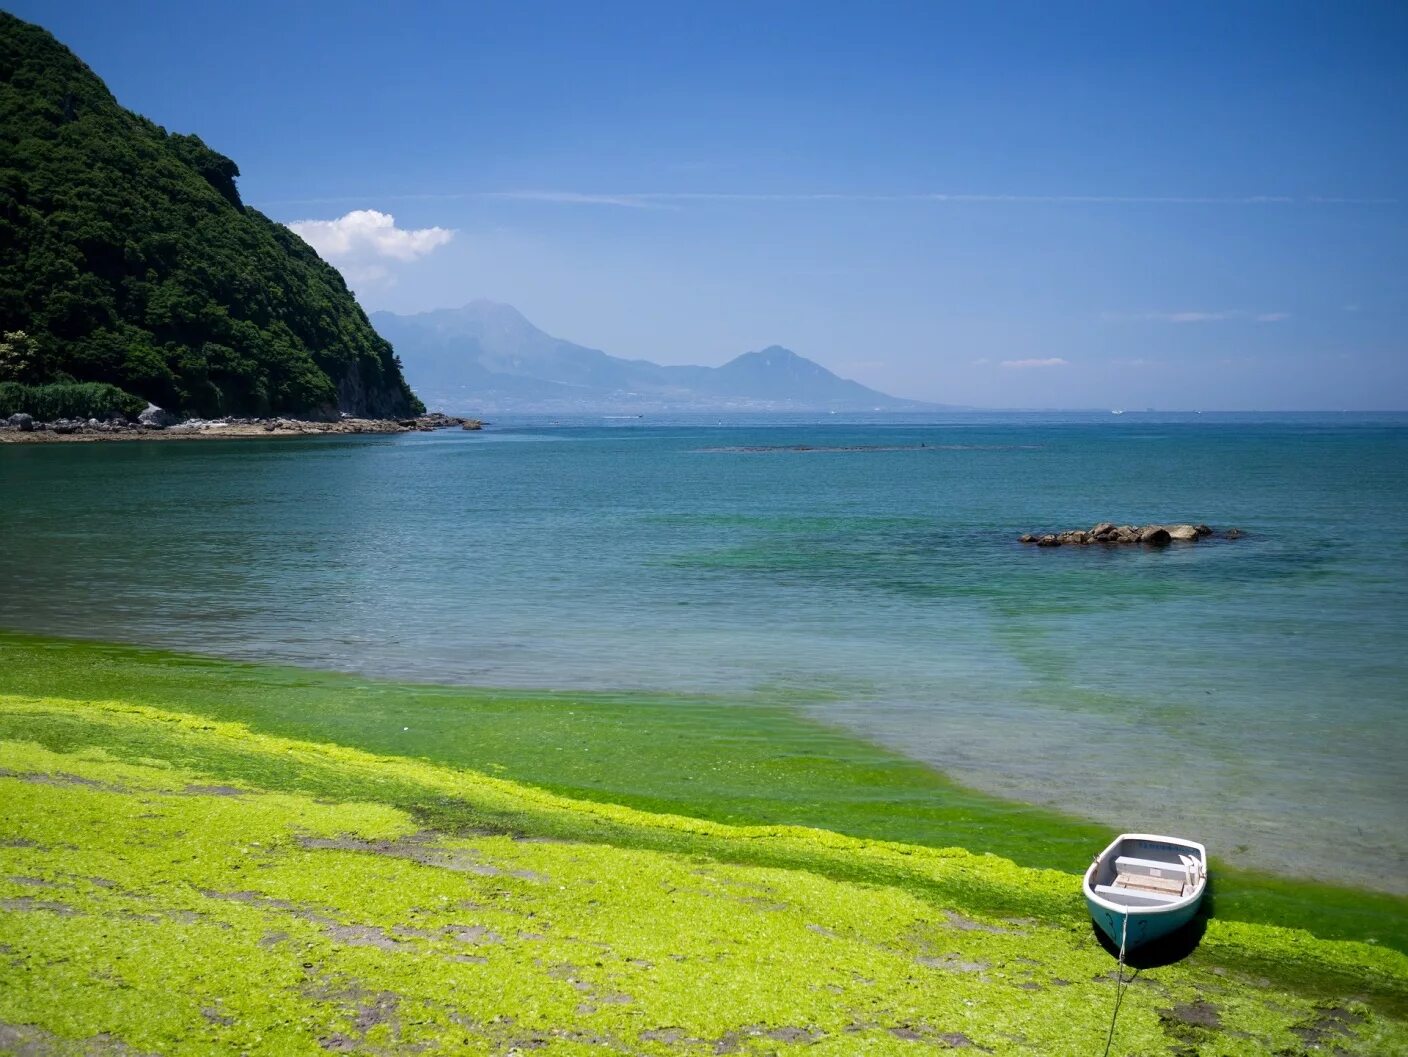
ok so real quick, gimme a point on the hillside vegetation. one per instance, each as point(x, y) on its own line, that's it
point(128, 258)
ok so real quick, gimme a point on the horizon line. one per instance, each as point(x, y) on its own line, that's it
point(967, 409)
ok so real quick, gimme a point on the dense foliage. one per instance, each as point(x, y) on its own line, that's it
point(128, 258)
point(68, 400)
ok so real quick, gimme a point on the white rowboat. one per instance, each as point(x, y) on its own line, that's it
point(1144, 886)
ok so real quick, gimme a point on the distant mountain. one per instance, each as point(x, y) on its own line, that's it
point(127, 258)
point(486, 357)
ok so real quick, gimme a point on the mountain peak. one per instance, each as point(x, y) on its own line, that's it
point(774, 355)
point(486, 356)
point(780, 362)
point(484, 308)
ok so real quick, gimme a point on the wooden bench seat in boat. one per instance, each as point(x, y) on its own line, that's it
point(1172, 885)
point(1151, 875)
point(1136, 897)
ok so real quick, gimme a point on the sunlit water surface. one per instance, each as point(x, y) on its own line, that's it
point(1249, 693)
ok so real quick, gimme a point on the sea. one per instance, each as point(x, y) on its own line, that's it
point(863, 569)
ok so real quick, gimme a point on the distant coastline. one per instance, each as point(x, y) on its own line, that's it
point(68, 432)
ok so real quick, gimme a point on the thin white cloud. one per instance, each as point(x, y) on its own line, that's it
point(581, 198)
point(1050, 361)
point(645, 199)
point(361, 243)
point(674, 199)
point(1221, 316)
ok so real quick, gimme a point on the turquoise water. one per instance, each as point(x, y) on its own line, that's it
point(1249, 693)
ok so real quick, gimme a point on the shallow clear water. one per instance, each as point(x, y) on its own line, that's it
point(1251, 694)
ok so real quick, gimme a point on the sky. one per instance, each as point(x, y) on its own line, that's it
point(1181, 206)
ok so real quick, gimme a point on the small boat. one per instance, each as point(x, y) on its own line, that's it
point(1144, 886)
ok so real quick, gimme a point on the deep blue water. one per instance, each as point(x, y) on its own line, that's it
point(1252, 693)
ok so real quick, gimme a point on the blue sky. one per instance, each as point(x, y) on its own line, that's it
point(1009, 205)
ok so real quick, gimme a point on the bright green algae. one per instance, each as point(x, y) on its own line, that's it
point(729, 761)
point(175, 903)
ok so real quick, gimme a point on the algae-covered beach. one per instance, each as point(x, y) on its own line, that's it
point(209, 876)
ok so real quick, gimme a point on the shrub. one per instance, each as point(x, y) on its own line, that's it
point(68, 400)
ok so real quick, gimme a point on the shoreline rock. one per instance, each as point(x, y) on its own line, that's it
point(1107, 532)
point(154, 423)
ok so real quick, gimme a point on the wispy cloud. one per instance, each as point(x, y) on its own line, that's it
point(1050, 361)
point(360, 243)
point(639, 199)
point(583, 198)
point(1220, 316)
point(676, 199)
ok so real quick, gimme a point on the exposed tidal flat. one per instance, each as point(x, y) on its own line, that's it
point(210, 885)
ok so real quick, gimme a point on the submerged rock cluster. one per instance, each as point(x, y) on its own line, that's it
point(1109, 532)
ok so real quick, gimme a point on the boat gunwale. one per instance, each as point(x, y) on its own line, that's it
point(1166, 908)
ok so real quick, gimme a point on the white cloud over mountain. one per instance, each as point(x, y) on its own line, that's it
point(361, 244)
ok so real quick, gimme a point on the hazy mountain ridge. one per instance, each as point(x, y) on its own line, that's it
point(487, 357)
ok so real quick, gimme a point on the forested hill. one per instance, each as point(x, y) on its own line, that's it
point(127, 257)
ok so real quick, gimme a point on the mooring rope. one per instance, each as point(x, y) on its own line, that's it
point(1120, 986)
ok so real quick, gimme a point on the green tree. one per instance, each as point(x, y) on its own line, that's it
point(22, 359)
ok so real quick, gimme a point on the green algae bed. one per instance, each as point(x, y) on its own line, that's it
point(199, 856)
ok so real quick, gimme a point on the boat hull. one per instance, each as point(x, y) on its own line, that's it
point(1143, 925)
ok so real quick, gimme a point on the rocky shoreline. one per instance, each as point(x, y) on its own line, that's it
point(157, 424)
point(1107, 532)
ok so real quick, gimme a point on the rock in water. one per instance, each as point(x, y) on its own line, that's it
point(1109, 532)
